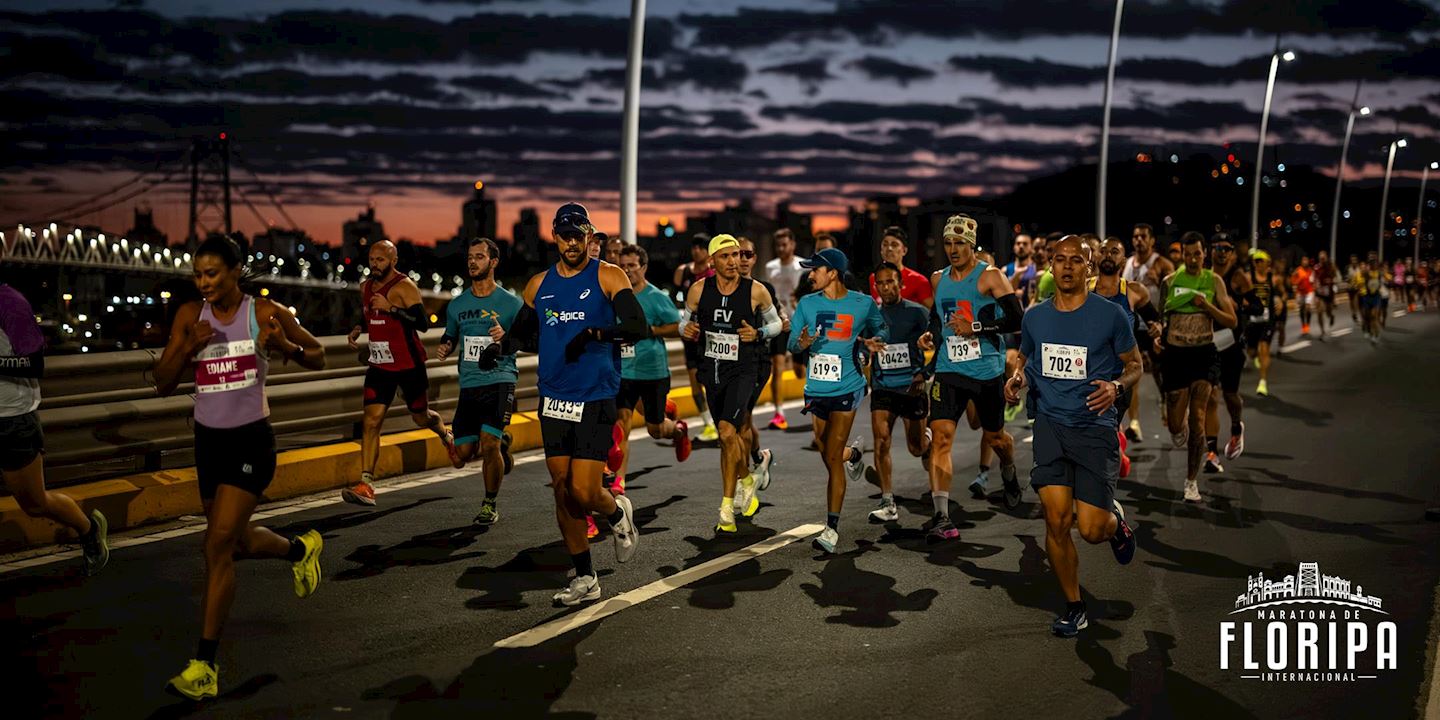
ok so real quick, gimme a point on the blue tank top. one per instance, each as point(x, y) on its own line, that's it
point(984, 359)
point(565, 307)
point(1122, 298)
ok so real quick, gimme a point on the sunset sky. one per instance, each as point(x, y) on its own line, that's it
point(405, 103)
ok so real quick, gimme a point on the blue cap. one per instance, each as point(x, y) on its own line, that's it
point(829, 257)
point(571, 217)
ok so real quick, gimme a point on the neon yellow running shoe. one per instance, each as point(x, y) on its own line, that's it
point(750, 490)
point(709, 434)
point(197, 681)
point(307, 569)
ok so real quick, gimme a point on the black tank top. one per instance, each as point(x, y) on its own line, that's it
point(722, 354)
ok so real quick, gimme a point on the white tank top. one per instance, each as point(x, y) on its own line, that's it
point(1140, 274)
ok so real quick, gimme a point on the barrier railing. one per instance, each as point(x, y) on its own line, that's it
point(104, 407)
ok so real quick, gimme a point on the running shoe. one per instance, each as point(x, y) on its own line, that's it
point(1262, 389)
point(671, 411)
point(747, 499)
point(506, 440)
point(1257, 362)
point(1133, 433)
point(709, 434)
point(886, 512)
point(1013, 411)
point(617, 486)
point(827, 540)
point(762, 469)
point(197, 681)
point(1305, 330)
point(615, 458)
point(1212, 463)
point(582, 589)
point(1012, 486)
point(682, 441)
point(978, 485)
point(95, 553)
point(1192, 491)
point(941, 529)
point(361, 493)
point(1070, 624)
point(489, 514)
point(448, 440)
point(1236, 445)
point(726, 523)
point(1123, 542)
point(778, 422)
point(855, 470)
point(592, 530)
point(626, 535)
point(1124, 466)
point(307, 568)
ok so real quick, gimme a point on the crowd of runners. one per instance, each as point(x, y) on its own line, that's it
point(1063, 334)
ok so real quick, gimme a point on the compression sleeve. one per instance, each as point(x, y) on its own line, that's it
point(1009, 320)
point(772, 325)
point(1146, 312)
point(631, 320)
point(413, 317)
point(524, 333)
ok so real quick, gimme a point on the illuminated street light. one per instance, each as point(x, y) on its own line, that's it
point(1275, 58)
point(1340, 169)
point(630, 127)
point(1105, 122)
point(1420, 206)
point(1385, 194)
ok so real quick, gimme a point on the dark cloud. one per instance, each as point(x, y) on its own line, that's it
point(879, 68)
point(1018, 72)
point(504, 86)
point(810, 73)
point(856, 113)
point(704, 72)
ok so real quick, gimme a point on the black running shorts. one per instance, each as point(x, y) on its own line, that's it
point(951, 392)
point(651, 394)
point(1181, 367)
point(242, 457)
point(484, 409)
point(900, 404)
point(380, 386)
point(21, 441)
point(588, 439)
point(1232, 363)
point(729, 399)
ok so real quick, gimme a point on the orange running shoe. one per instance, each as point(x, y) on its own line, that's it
point(361, 493)
point(448, 440)
point(615, 457)
point(682, 441)
point(671, 411)
point(590, 530)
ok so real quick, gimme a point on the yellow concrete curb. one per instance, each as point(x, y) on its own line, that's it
point(153, 497)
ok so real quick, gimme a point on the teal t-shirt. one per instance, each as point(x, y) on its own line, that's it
point(468, 320)
point(840, 324)
point(648, 358)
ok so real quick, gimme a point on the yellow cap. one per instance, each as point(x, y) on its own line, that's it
point(1260, 255)
point(722, 241)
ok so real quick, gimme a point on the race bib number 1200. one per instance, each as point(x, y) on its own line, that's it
point(825, 367)
point(722, 346)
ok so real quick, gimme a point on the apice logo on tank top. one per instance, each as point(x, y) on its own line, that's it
point(555, 318)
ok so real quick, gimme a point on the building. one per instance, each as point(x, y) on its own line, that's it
point(356, 236)
point(143, 230)
point(477, 216)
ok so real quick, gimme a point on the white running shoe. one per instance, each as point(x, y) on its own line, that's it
point(827, 540)
point(887, 512)
point(762, 470)
point(626, 535)
point(1192, 491)
point(855, 471)
point(585, 588)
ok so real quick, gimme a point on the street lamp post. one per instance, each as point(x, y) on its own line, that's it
point(630, 128)
point(1105, 122)
point(1275, 59)
point(1385, 196)
point(1420, 207)
point(1340, 170)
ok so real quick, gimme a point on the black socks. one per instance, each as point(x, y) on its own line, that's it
point(296, 553)
point(207, 651)
point(582, 564)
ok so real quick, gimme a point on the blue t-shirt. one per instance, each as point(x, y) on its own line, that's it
point(895, 368)
point(839, 323)
point(468, 320)
point(1066, 351)
point(648, 358)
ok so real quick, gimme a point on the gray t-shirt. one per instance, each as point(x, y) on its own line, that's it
point(19, 336)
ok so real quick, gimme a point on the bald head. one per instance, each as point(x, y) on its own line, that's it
point(382, 259)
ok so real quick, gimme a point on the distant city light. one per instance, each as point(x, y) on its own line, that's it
point(1239, 181)
point(1174, 158)
point(1347, 214)
point(1280, 167)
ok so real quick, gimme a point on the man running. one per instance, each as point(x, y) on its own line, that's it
point(732, 318)
point(1087, 358)
point(841, 321)
point(22, 441)
point(761, 459)
point(686, 276)
point(1260, 324)
point(1283, 293)
point(898, 375)
point(1230, 344)
point(974, 308)
point(1369, 284)
point(393, 317)
point(474, 321)
point(1134, 300)
point(570, 319)
point(1326, 280)
point(1145, 267)
point(914, 286)
point(783, 272)
point(229, 337)
point(1195, 301)
point(1303, 280)
point(1353, 271)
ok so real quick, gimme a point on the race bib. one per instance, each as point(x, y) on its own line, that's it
point(895, 357)
point(962, 349)
point(226, 366)
point(380, 353)
point(563, 410)
point(1063, 362)
point(1224, 340)
point(825, 367)
point(1262, 317)
point(722, 346)
point(627, 351)
point(475, 344)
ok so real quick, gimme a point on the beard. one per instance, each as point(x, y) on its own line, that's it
point(482, 275)
point(1108, 267)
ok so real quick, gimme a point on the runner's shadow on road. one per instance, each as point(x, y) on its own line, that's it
point(924, 507)
point(344, 521)
point(869, 599)
point(1277, 407)
point(1288, 482)
point(717, 592)
point(432, 548)
point(1149, 684)
point(504, 683)
point(647, 514)
point(633, 475)
point(245, 690)
point(534, 569)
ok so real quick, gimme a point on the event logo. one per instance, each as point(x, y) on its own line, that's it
point(555, 318)
point(1307, 628)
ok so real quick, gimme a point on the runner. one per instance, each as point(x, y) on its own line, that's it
point(685, 276)
point(393, 317)
point(1023, 274)
point(1134, 300)
point(1368, 284)
point(1400, 282)
point(1326, 279)
point(1260, 324)
point(1353, 272)
point(1230, 344)
point(732, 318)
point(1303, 281)
point(783, 273)
point(1195, 301)
point(1175, 253)
point(761, 459)
point(645, 369)
point(613, 246)
point(476, 321)
point(915, 287)
point(1283, 293)
point(974, 308)
point(1087, 357)
point(898, 379)
point(581, 300)
point(22, 441)
point(834, 387)
point(801, 360)
point(1146, 267)
point(228, 337)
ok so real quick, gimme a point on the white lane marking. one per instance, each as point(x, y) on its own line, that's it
point(599, 611)
point(1398, 314)
point(1342, 332)
point(1029, 438)
point(1297, 345)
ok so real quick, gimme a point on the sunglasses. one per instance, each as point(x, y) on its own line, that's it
point(572, 237)
point(1224, 248)
point(747, 254)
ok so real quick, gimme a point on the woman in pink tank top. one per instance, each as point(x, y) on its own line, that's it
point(228, 339)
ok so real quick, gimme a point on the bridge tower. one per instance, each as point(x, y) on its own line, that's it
point(209, 188)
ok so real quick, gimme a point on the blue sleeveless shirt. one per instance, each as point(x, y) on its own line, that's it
point(565, 307)
point(964, 297)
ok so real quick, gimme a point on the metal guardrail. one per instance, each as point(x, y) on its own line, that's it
point(103, 406)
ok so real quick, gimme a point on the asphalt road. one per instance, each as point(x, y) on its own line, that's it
point(1338, 470)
